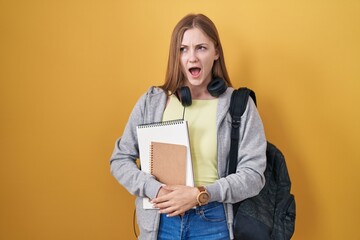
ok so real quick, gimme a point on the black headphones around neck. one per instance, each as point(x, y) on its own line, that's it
point(216, 87)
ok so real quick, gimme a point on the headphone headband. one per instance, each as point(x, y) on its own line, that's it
point(216, 87)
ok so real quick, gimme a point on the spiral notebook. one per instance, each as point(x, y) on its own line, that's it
point(168, 163)
point(169, 132)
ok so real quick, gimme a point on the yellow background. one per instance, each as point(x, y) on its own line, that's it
point(71, 72)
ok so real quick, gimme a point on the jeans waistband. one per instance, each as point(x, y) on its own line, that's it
point(208, 206)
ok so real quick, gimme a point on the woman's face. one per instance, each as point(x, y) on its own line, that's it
point(197, 57)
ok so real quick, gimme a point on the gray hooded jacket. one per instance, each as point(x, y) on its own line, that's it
point(245, 183)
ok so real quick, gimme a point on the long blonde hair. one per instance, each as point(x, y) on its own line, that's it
point(174, 78)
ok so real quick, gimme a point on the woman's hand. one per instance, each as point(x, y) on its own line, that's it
point(162, 191)
point(175, 200)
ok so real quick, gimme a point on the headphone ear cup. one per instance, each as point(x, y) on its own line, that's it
point(217, 87)
point(185, 96)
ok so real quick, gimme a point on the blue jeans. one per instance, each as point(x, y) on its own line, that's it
point(205, 222)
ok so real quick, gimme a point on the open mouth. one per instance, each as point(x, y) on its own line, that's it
point(195, 71)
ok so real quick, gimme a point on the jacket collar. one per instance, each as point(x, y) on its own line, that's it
point(223, 106)
point(156, 100)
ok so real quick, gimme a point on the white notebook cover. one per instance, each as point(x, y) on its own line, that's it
point(175, 132)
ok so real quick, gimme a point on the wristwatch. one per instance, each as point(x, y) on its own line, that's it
point(203, 197)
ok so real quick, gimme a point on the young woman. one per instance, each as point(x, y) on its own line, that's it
point(196, 61)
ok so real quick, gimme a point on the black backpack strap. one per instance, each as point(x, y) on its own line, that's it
point(238, 103)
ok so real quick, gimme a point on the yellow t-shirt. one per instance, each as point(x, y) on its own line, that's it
point(201, 117)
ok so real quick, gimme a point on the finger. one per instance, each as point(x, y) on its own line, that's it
point(170, 208)
point(160, 199)
point(175, 213)
point(170, 211)
point(166, 206)
point(163, 197)
point(169, 187)
point(163, 205)
point(173, 187)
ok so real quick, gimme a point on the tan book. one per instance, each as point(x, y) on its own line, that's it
point(168, 163)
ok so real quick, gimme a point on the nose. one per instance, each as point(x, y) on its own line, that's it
point(192, 56)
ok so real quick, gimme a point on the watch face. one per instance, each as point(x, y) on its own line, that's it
point(204, 197)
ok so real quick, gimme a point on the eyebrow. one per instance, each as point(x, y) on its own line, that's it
point(200, 44)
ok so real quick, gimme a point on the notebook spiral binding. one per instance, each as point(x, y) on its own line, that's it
point(157, 124)
point(151, 159)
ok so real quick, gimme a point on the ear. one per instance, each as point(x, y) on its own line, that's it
point(217, 55)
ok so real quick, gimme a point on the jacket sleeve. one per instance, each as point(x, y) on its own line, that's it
point(123, 160)
point(249, 177)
